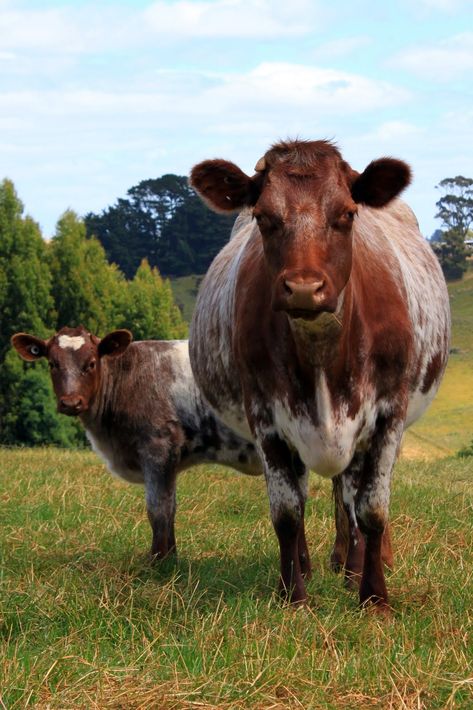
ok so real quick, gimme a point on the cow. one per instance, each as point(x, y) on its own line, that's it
point(322, 331)
point(142, 413)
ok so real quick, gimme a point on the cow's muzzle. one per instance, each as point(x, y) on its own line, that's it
point(303, 295)
point(71, 405)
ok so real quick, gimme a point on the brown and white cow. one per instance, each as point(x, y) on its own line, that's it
point(322, 330)
point(142, 412)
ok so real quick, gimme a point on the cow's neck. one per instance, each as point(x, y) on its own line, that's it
point(93, 418)
point(318, 343)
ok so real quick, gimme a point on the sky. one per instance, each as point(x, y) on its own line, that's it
point(96, 96)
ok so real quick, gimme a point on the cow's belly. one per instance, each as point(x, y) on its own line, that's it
point(418, 403)
point(117, 463)
point(327, 446)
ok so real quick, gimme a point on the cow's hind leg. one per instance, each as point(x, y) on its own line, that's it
point(160, 492)
point(372, 508)
point(304, 556)
point(356, 543)
point(286, 479)
point(339, 552)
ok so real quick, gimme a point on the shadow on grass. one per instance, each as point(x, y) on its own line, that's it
point(201, 581)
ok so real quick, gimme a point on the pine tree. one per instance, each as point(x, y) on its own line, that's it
point(87, 289)
point(151, 312)
point(27, 406)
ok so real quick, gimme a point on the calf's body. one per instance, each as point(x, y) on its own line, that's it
point(142, 413)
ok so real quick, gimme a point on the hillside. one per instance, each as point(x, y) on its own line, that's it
point(448, 424)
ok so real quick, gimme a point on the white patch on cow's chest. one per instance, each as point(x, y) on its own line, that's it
point(328, 446)
point(74, 342)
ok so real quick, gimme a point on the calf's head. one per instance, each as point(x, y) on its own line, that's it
point(304, 198)
point(74, 357)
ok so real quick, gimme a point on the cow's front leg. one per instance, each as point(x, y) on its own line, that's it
point(286, 480)
point(160, 493)
point(372, 508)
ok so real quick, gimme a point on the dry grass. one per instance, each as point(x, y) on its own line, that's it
point(87, 623)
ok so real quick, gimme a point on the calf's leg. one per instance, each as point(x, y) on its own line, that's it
point(160, 493)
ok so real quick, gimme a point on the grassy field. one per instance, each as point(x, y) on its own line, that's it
point(86, 622)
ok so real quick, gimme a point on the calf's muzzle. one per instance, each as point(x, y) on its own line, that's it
point(72, 405)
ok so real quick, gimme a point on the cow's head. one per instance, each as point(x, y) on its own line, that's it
point(304, 198)
point(74, 357)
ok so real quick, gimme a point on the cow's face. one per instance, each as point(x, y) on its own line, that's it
point(304, 198)
point(74, 356)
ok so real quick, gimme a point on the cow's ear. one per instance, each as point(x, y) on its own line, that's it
point(29, 347)
point(223, 186)
point(380, 182)
point(115, 343)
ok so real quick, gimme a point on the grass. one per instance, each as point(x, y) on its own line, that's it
point(185, 292)
point(86, 622)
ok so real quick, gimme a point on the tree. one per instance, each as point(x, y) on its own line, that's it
point(27, 406)
point(150, 311)
point(455, 209)
point(163, 221)
point(87, 289)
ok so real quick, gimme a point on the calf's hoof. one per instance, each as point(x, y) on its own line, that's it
point(294, 596)
point(156, 557)
point(352, 581)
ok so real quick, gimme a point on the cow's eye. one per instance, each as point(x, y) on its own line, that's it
point(350, 215)
point(90, 366)
point(268, 223)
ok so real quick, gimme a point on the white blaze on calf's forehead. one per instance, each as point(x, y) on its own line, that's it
point(73, 342)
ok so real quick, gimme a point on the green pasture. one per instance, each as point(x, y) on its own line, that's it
point(87, 622)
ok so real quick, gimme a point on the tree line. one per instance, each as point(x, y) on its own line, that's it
point(102, 271)
point(67, 281)
point(164, 221)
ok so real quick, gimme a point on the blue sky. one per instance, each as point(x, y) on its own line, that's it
point(95, 97)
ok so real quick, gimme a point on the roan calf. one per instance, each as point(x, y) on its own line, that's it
point(142, 412)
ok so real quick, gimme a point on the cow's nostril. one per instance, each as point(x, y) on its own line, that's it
point(287, 287)
point(304, 288)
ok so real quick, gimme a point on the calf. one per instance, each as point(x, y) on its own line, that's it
point(142, 413)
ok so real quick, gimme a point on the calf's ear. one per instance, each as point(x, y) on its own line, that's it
point(29, 347)
point(223, 186)
point(115, 343)
point(381, 182)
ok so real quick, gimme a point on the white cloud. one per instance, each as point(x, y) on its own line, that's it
point(449, 6)
point(337, 48)
point(91, 27)
point(447, 60)
point(233, 18)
